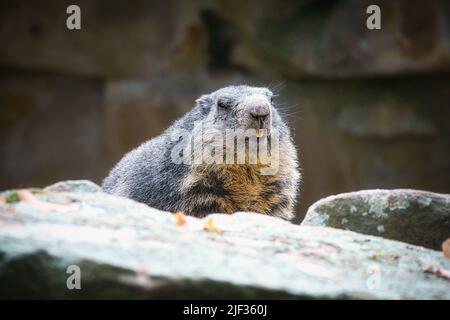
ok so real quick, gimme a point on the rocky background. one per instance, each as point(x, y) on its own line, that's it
point(369, 108)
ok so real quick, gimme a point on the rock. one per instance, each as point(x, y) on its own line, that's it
point(74, 186)
point(51, 128)
point(115, 40)
point(417, 217)
point(297, 39)
point(125, 249)
point(306, 39)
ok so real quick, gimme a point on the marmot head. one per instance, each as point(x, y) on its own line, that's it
point(240, 107)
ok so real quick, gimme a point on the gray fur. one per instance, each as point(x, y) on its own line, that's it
point(147, 174)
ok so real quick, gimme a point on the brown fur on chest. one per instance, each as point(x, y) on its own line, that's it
point(231, 188)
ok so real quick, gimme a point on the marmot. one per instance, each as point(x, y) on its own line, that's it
point(151, 174)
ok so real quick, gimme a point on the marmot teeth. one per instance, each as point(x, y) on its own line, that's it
point(259, 133)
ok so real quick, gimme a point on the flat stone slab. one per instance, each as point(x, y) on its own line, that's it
point(128, 250)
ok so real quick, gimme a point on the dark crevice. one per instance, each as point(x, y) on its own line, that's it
point(221, 41)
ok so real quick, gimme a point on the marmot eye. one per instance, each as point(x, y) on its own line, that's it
point(223, 104)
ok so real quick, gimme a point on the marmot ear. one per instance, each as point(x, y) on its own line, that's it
point(205, 102)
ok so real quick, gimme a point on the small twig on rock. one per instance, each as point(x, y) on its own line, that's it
point(440, 272)
point(446, 248)
point(27, 196)
point(209, 226)
point(141, 277)
point(179, 216)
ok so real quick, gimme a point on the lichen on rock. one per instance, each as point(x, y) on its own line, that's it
point(417, 217)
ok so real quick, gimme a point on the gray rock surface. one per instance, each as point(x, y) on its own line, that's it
point(128, 250)
point(299, 39)
point(55, 120)
point(417, 217)
point(312, 38)
point(115, 39)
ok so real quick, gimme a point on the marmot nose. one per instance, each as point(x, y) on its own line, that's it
point(260, 112)
point(257, 108)
point(259, 116)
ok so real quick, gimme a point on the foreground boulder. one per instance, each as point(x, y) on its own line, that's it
point(125, 249)
point(417, 217)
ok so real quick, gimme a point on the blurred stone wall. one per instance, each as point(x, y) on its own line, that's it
point(369, 108)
